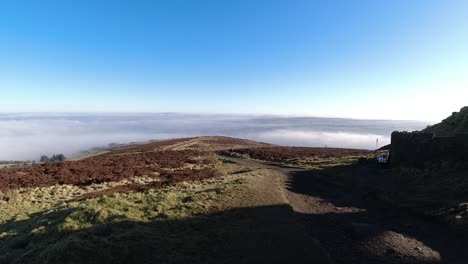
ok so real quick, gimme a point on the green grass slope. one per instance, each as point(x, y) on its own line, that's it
point(457, 123)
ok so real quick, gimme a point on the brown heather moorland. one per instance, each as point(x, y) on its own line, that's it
point(281, 154)
point(170, 161)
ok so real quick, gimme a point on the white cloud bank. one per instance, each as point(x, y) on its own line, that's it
point(26, 137)
point(324, 139)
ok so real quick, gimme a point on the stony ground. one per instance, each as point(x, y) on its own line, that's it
point(354, 226)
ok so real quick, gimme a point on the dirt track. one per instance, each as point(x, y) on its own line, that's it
point(354, 229)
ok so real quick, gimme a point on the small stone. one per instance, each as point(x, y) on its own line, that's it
point(418, 249)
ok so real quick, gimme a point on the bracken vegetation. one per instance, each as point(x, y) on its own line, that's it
point(142, 204)
point(111, 167)
point(281, 154)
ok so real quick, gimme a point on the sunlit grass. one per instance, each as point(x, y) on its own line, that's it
point(31, 225)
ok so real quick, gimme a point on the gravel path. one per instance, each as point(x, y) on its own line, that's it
point(353, 229)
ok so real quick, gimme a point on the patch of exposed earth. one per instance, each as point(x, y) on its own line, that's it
point(353, 228)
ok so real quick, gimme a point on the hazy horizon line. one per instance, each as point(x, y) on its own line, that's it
point(264, 115)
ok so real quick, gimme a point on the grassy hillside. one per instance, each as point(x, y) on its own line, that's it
point(457, 123)
point(172, 201)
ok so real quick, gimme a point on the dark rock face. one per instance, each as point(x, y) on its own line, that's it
point(418, 148)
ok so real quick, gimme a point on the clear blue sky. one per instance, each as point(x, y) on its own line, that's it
point(362, 59)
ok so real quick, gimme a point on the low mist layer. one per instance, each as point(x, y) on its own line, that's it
point(27, 137)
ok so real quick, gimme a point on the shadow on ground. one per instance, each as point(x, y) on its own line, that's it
point(349, 237)
point(247, 235)
point(268, 234)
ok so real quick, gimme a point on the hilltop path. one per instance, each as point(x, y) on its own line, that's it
point(352, 230)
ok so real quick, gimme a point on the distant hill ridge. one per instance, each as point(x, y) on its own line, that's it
point(457, 123)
